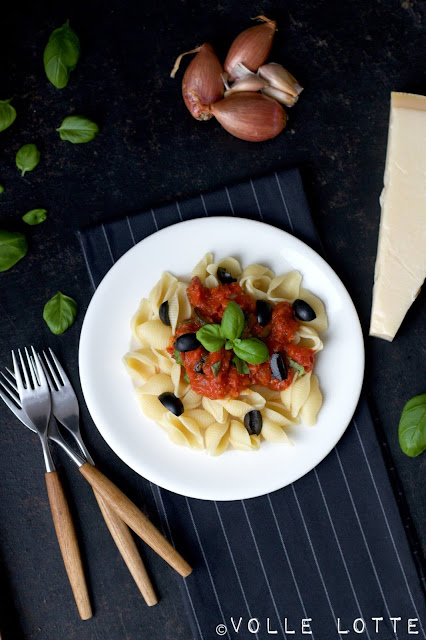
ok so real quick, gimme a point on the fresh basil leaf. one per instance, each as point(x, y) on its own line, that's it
point(229, 345)
point(299, 368)
point(211, 337)
point(178, 357)
point(232, 321)
point(61, 55)
point(7, 114)
point(252, 350)
point(35, 216)
point(1, 188)
point(27, 158)
point(241, 365)
point(412, 426)
point(215, 368)
point(185, 377)
point(78, 129)
point(59, 313)
point(13, 247)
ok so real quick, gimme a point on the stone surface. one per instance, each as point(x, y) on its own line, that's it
point(348, 56)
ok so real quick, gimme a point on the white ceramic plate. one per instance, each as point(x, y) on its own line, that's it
point(108, 389)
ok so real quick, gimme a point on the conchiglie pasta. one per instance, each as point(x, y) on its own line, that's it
point(240, 439)
point(217, 438)
point(312, 404)
point(154, 333)
point(218, 424)
point(320, 323)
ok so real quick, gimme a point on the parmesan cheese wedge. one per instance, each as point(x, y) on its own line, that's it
point(401, 254)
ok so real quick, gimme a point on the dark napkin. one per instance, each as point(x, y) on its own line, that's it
point(332, 545)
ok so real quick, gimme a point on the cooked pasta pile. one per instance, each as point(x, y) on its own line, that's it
point(216, 424)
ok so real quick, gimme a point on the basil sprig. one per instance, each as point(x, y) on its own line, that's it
point(27, 158)
point(78, 129)
point(227, 334)
point(7, 114)
point(35, 216)
point(412, 426)
point(13, 247)
point(59, 313)
point(61, 55)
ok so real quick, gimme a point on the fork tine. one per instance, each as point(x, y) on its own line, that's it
point(8, 401)
point(42, 381)
point(10, 379)
point(10, 393)
point(50, 374)
point(18, 376)
point(31, 369)
point(33, 364)
point(59, 368)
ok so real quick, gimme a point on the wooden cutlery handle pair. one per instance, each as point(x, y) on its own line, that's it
point(118, 511)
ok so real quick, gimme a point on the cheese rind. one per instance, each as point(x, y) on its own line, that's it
point(401, 253)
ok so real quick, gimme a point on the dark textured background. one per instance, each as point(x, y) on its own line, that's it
point(349, 56)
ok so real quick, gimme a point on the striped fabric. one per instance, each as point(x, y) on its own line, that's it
point(326, 557)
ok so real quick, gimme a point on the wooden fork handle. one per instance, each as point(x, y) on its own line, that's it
point(134, 518)
point(68, 543)
point(128, 549)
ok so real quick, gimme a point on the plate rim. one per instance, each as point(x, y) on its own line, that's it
point(153, 478)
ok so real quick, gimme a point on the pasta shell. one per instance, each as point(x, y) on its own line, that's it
point(200, 269)
point(278, 413)
point(273, 432)
point(320, 323)
point(308, 337)
point(245, 402)
point(155, 334)
point(180, 386)
point(203, 418)
point(191, 399)
point(285, 287)
point(157, 385)
point(231, 265)
point(143, 314)
point(164, 362)
point(163, 290)
point(179, 306)
point(151, 406)
point(140, 365)
point(311, 407)
point(183, 430)
point(217, 438)
point(297, 393)
point(215, 409)
point(240, 439)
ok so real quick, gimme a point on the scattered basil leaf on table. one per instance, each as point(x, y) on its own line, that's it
point(27, 158)
point(232, 321)
point(215, 368)
point(78, 129)
point(211, 337)
point(13, 247)
point(412, 426)
point(252, 350)
point(61, 55)
point(299, 368)
point(1, 188)
point(35, 216)
point(241, 365)
point(7, 114)
point(59, 313)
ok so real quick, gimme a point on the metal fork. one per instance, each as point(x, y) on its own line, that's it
point(65, 408)
point(34, 396)
point(129, 512)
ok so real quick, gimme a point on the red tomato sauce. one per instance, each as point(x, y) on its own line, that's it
point(224, 380)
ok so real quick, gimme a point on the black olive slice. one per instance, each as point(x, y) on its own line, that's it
point(278, 365)
point(253, 422)
point(224, 276)
point(187, 342)
point(171, 403)
point(303, 311)
point(199, 366)
point(202, 319)
point(164, 313)
point(263, 312)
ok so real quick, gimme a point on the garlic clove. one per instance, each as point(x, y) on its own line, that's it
point(281, 96)
point(249, 82)
point(202, 82)
point(280, 78)
point(250, 116)
point(251, 47)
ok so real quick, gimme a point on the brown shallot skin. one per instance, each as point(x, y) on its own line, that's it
point(251, 47)
point(250, 116)
point(202, 83)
